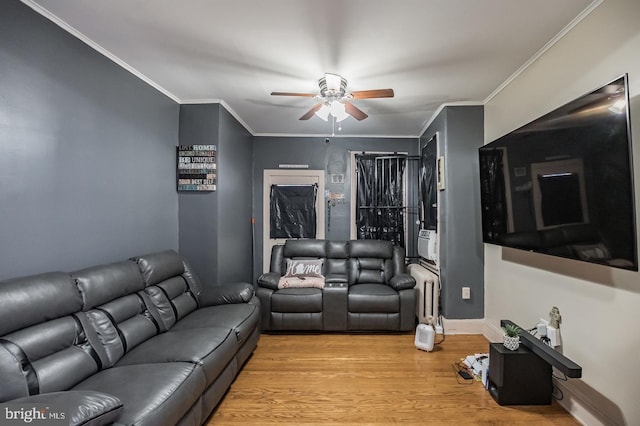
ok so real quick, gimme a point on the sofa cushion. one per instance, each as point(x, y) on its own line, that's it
point(35, 299)
point(42, 346)
point(227, 294)
point(212, 348)
point(86, 408)
point(171, 300)
point(101, 284)
point(337, 262)
point(160, 266)
point(121, 325)
point(53, 356)
point(297, 300)
point(371, 248)
point(178, 293)
point(243, 318)
point(370, 270)
point(305, 248)
point(152, 394)
point(373, 298)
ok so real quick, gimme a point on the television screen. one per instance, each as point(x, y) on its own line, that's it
point(562, 185)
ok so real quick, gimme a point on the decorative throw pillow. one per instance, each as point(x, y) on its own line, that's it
point(300, 282)
point(304, 267)
point(303, 273)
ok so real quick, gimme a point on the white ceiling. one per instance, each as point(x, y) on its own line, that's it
point(237, 52)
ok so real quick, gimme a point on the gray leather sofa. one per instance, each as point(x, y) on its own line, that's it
point(135, 342)
point(366, 287)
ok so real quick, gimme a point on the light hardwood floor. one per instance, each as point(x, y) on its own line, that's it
point(373, 379)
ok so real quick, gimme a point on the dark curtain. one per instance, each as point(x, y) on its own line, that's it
point(492, 185)
point(380, 198)
point(293, 211)
point(428, 185)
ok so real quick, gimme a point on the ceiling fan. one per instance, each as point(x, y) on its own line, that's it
point(335, 100)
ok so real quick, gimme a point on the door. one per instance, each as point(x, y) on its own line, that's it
point(289, 177)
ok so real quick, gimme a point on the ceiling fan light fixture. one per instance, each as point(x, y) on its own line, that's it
point(334, 99)
point(332, 86)
point(333, 81)
point(323, 112)
point(338, 111)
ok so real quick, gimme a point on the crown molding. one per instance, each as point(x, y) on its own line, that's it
point(328, 135)
point(544, 48)
point(224, 105)
point(86, 40)
point(428, 122)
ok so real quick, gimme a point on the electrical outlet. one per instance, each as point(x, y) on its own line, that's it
point(466, 293)
point(437, 324)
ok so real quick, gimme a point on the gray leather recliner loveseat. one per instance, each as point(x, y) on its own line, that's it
point(365, 287)
point(135, 342)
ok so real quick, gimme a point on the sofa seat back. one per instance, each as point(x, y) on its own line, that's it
point(115, 309)
point(337, 262)
point(370, 262)
point(171, 286)
point(43, 347)
point(335, 255)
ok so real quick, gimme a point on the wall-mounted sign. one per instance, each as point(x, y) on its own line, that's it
point(197, 170)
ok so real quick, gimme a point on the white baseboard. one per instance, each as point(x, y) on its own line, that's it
point(492, 332)
point(463, 326)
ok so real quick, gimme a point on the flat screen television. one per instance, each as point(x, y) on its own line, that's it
point(562, 184)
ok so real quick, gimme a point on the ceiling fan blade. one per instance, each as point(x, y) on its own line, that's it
point(306, 95)
point(367, 94)
point(312, 111)
point(354, 111)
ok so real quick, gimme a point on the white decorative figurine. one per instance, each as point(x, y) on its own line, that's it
point(555, 317)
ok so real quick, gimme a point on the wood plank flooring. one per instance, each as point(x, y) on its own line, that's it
point(376, 379)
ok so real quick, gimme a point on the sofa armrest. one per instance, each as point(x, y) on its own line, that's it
point(226, 294)
point(269, 280)
point(84, 407)
point(402, 282)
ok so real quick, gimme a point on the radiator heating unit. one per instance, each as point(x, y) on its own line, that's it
point(428, 286)
point(428, 291)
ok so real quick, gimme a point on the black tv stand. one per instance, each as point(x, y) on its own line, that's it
point(518, 377)
point(547, 353)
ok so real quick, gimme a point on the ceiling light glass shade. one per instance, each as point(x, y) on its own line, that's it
point(338, 111)
point(333, 81)
point(323, 112)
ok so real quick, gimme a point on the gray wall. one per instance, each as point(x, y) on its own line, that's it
point(234, 191)
point(85, 150)
point(461, 248)
point(332, 157)
point(215, 227)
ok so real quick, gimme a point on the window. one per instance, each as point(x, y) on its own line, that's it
point(381, 197)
